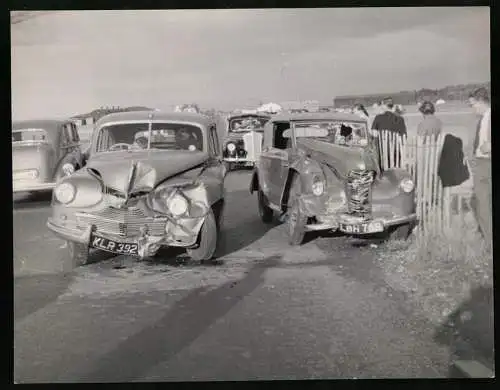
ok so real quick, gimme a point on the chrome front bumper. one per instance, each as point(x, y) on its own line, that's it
point(26, 186)
point(147, 245)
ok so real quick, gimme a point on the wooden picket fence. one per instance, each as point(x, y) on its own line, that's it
point(420, 157)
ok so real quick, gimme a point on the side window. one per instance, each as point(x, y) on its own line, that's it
point(214, 141)
point(65, 137)
point(280, 142)
point(76, 137)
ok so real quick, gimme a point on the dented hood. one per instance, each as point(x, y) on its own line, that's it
point(342, 158)
point(138, 171)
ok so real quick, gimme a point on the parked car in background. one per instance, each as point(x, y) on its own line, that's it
point(321, 172)
point(152, 179)
point(243, 143)
point(43, 151)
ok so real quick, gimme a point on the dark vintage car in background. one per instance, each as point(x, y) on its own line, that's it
point(243, 142)
point(321, 172)
point(151, 180)
point(43, 151)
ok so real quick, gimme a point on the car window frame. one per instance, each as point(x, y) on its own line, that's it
point(214, 138)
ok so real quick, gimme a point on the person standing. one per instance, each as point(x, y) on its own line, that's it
point(391, 122)
point(430, 124)
point(480, 164)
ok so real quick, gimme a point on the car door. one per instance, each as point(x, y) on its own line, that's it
point(277, 162)
point(215, 153)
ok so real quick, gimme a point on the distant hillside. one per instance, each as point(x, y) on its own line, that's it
point(98, 113)
point(448, 93)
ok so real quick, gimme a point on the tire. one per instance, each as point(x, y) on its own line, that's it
point(265, 212)
point(401, 232)
point(296, 221)
point(78, 254)
point(207, 240)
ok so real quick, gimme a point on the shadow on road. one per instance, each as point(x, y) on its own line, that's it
point(469, 330)
point(32, 201)
point(34, 292)
point(178, 328)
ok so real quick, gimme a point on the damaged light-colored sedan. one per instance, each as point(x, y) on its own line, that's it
point(151, 180)
point(320, 171)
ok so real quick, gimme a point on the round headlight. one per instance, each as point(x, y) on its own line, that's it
point(65, 192)
point(231, 147)
point(68, 169)
point(318, 186)
point(177, 205)
point(407, 185)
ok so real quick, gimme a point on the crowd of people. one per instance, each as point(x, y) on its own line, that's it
point(452, 167)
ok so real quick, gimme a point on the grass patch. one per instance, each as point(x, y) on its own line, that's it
point(440, 269)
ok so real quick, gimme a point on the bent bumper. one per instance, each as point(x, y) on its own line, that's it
point(147, 245)
point(334, 223)
point(18, 186)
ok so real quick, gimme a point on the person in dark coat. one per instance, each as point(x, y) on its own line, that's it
point(452, 169)
point(389, 121)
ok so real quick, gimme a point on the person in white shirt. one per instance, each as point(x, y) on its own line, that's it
point(479, 100)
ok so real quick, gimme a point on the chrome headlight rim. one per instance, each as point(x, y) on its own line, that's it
point(231, 147)
point(182, 202)
point(59, 193)
point(407, 185)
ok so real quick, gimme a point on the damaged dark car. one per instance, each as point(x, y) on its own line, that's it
point(320, 172)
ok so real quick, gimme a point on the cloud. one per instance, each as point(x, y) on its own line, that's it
point(66, 60)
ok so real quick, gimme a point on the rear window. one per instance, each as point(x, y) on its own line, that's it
point(39, 135)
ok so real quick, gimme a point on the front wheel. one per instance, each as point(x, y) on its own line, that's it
point(296, 221)
point(207, 240)
point(265, 212)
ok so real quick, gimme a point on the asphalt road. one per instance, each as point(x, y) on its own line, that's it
point(267, 311)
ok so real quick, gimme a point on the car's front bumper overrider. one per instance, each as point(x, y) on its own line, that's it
point(27, 186)
point(147, 244)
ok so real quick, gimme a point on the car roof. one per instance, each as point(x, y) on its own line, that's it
point(157, 115)
point(239, 115)
point(325, 116)
point(49, 125)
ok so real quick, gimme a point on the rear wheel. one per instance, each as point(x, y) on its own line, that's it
point(296, 222)
point(265, 212)
point(207, 240)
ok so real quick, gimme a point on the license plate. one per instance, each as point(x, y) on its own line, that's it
point(120, 248)
point(362, 228)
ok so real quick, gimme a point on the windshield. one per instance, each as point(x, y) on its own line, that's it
point(135, 136)
point(247, 124)
point(35, 135)
point(334, 132)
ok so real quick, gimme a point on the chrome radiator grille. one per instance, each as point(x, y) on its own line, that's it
point(359, 192)
point(126, 222)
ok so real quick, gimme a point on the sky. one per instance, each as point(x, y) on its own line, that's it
point(64, 63)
